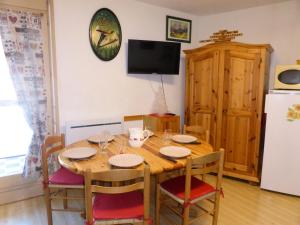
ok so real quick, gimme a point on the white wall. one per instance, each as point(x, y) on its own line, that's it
point(276, 24)
point(89, 88)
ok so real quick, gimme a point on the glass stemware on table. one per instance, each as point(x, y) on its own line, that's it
point(122, 146)
point(103, 143)
point(103, 140)
point(167, 136)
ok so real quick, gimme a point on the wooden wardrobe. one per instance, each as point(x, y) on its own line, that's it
point(225, 87)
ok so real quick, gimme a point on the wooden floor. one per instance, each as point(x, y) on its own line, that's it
point(243, 205)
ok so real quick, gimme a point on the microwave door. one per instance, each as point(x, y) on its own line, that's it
point(287, 77)
point(291, 77)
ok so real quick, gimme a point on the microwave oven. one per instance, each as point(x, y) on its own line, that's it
point(287, 77)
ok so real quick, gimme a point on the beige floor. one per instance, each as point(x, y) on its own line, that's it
point(243, 205)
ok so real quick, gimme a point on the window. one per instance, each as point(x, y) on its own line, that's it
point(15, 133)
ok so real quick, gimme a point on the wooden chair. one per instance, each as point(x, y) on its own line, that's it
point(132, 121)
point(197, 130)
point(56, 185)
point(188, 190)
point(127, 203)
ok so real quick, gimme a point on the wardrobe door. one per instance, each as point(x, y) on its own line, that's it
point(202, 91)
point(239, 116)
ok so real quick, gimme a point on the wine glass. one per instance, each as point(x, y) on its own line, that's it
point(103, 140)
point(148, 130)
point(122, 146)
point(167, 136)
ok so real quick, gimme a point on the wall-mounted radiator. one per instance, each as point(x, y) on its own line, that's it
point(76, 131)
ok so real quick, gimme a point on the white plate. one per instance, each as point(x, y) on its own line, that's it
point(96, 138)
point(126, 160)
point(79, 153)
point(182, 138)
point(175, 151)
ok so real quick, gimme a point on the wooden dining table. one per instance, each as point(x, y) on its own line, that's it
point(158, 163)
point(149, 151)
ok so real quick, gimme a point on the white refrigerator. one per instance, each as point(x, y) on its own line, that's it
point(281, 158)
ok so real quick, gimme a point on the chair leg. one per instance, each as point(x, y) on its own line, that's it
point(157, 206)
point(65, 201)
point(186, 215)
point(144, 223)
point(83, 213)
point(216, 209)
point(48, 205)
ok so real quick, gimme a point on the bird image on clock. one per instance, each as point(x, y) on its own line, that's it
point(106, 38)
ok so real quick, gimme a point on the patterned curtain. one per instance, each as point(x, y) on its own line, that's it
point(22, 40)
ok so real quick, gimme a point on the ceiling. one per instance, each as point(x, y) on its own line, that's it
point(207, 7)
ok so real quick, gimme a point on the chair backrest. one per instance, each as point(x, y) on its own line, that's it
point(51, 145)
point(202, 165)
point(197, 130)
point(139, 180)
point(130, 121)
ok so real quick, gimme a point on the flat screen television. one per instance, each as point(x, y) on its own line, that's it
point(153, 57)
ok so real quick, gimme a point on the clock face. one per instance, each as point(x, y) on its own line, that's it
point(105, 34)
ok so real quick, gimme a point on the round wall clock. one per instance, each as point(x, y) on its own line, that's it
point(105, 34)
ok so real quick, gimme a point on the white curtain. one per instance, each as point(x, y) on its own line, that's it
point(22, 40)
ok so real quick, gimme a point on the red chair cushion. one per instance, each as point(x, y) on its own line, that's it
point(118, 206)
point(66, 177)
point(176, 186)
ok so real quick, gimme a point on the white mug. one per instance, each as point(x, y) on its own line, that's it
point(137, 137)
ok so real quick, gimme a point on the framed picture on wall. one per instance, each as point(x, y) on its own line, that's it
point(178, 29)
